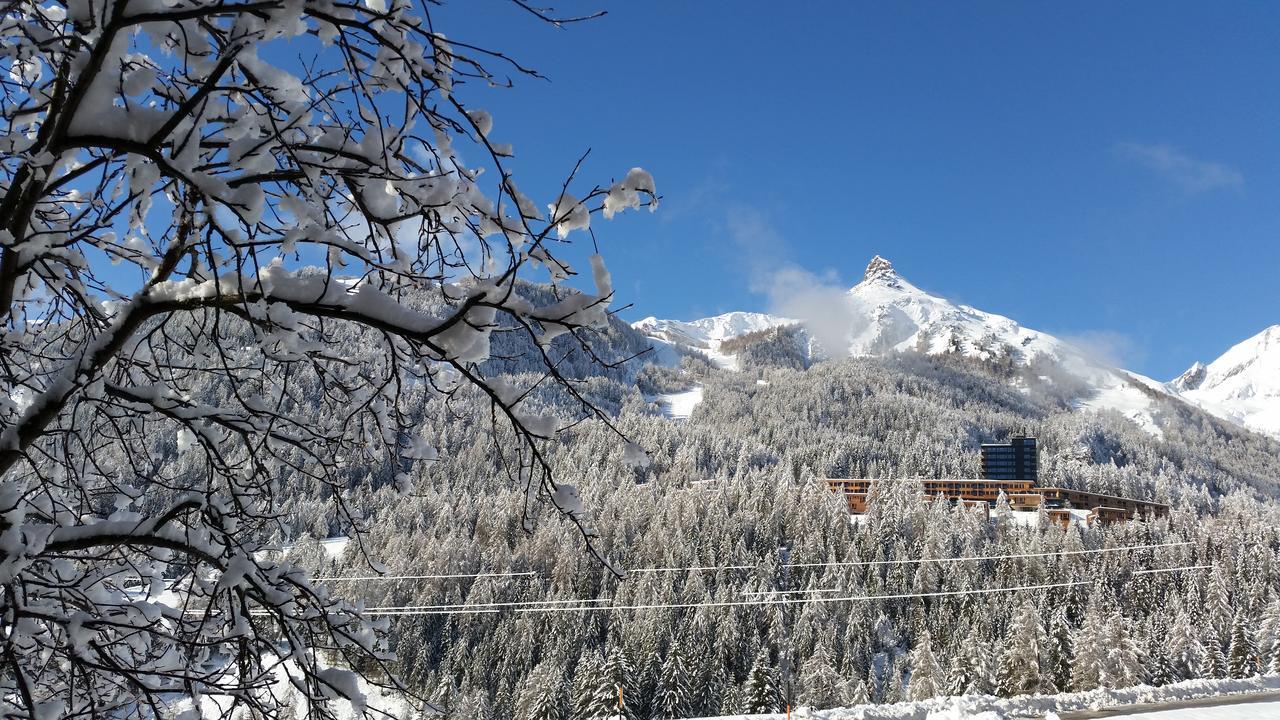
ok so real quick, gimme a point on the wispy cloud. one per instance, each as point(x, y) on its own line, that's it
point(1107, 347)
point(1192, 175)
point(817, 300)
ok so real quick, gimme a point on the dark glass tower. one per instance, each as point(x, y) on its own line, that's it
point(1014, 460)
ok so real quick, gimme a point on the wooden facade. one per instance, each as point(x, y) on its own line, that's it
point(1022, 495)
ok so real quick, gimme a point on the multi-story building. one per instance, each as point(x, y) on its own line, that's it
point(1017, 459)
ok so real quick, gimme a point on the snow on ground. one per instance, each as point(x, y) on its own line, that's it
point(1237, 711)
point(1122, 394)
point(986, 707)
point(334, 546)
point(677, 406)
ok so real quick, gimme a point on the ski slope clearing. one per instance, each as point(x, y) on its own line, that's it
point(677, 406)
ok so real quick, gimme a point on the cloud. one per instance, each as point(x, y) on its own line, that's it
point(1192, 175)
point(1107, 347)
point(818, 301)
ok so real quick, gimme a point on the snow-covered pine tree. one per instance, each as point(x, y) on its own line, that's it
point(1214, 662)
point(1186, 653)
point(1268, 630)
point(1090, 647)
point(587, 679)
point(927, 679)
point(542, 697)
point(1123, 665)
point(616, 674)
point(1274, 667)
point(1020, 672)
point(820, 683)
point(1242, 655)
point(857, 693)
point(672, 697)
point(1059, 652)
point(762, 692)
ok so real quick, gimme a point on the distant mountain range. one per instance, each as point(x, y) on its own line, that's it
point(885, 314)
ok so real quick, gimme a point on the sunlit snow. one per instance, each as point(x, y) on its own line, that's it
point(678, 406)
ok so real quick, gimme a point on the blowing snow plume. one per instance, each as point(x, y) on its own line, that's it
point(818, 302)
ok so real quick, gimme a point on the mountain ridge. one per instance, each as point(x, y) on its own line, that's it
point(886, 314)
point(1242, 385)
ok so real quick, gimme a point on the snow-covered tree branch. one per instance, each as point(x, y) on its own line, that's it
point(233, 235)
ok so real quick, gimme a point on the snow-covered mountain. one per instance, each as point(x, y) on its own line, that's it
point(705, 335)
point(885, 314)
point(1242, 386)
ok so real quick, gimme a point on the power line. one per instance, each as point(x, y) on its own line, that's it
point(822, 590)
point(698, 568)
point(427, 577)
point(910, 561)
point(461, 609)
point(692, 568)
point(512, 603)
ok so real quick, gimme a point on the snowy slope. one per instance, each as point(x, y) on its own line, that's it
point(888, 314)
point(678, 406)
point(900, 317)
point(705, 335)
point(1242, 386)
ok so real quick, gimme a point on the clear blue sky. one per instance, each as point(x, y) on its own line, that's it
point(1099, 169)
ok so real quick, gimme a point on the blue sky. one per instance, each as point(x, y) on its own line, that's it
point(1100, 170)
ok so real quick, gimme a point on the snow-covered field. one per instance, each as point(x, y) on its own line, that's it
point(678, 406)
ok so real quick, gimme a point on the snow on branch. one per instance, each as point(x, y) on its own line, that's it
point(239, 246)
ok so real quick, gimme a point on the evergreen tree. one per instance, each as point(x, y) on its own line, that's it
point(672, 698)
point(542, 697)
point(858, 694)
point(820, 683)
point(1020, 672)
point(586, 683)
point(762, 693)
point(1186, 653)
point(1090, 649)
point(1123, 664)
point(617, 676)
point(1059, 651)
point(927, 679)
point(1218, 603)
point(1242, 655)
point(1214, 662)
point(1275, 655)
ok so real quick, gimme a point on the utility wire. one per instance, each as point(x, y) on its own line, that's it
point(911, 561)
point(426, 577)
point(697, 568)
point(461, 609)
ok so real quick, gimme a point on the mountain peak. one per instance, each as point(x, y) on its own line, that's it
point(880, 270)
point(1192, 379)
